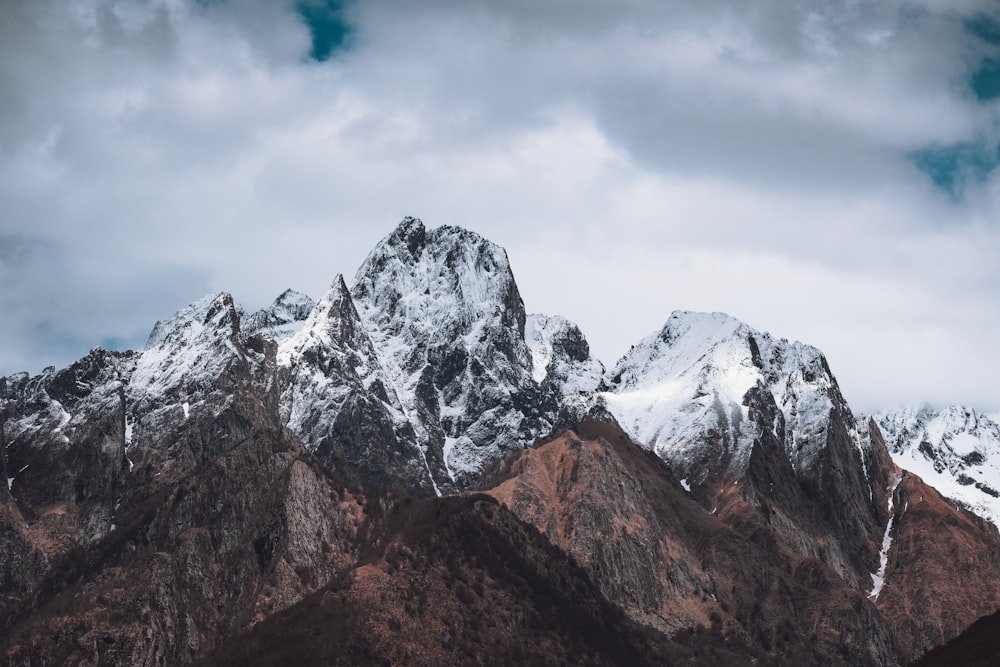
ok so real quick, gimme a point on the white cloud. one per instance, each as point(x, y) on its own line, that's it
point(633, 157)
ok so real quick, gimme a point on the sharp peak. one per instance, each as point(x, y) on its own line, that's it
point(707, 325)
point(705, 316)
point(412, 233)
point(196, 310)
point(338, 285)
point(338, 295)
point(290, 293)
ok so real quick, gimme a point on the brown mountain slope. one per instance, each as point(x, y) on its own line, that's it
point(978, 646)
point(671, 564)
point(463, 581)
point(943, 571)
point(234, 541)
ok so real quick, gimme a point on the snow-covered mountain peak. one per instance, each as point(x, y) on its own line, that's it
point(443, 310)
point(333, 323)
point(690, 343)
point(335, 396)
point(446, 283)
point(560, 354)
point(188, 351)
point(956, 450)
point(691, 377)
point(684, 381)
point(339, 316)
point(189, 320)
point(282, 318)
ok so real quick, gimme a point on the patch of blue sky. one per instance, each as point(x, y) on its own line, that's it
point(953, 168)
point(985, 80)
point(328, 27)
point(985, 28)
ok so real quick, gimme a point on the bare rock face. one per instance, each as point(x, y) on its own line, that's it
point(942, 569)
point(722, 403)
point(244, 527)
point(976, 647)
point(65, 453)
point(673, 565)
point(21, 563)
point(462, 581)
point(159, 503)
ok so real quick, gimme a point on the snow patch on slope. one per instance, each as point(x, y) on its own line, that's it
point(878, 578)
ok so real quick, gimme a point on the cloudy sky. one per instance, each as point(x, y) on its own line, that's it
point(824, 170)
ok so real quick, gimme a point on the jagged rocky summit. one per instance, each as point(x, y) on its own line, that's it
point(246, 476)
point(425, 363)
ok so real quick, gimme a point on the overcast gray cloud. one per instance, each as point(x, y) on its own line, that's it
point(823, 170)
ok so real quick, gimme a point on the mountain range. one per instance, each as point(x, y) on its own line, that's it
point(414, 470)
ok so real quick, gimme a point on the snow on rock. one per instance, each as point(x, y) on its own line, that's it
point(54, 405)
point(65, 435)
point(690, 378)
point(282, 318)
point(180, 319)
point(683, 381)
point(51, 417)
point(561, 355)
point(336, 396)
point(955, 450)
point(445, 314)
point(331, 357)
point(187, 354)
point(190, 374)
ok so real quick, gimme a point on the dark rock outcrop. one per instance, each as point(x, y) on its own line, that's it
point(242, 527)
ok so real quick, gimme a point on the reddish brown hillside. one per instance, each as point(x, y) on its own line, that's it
point(943, 571)
point(671, 564)
point(461, 581)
